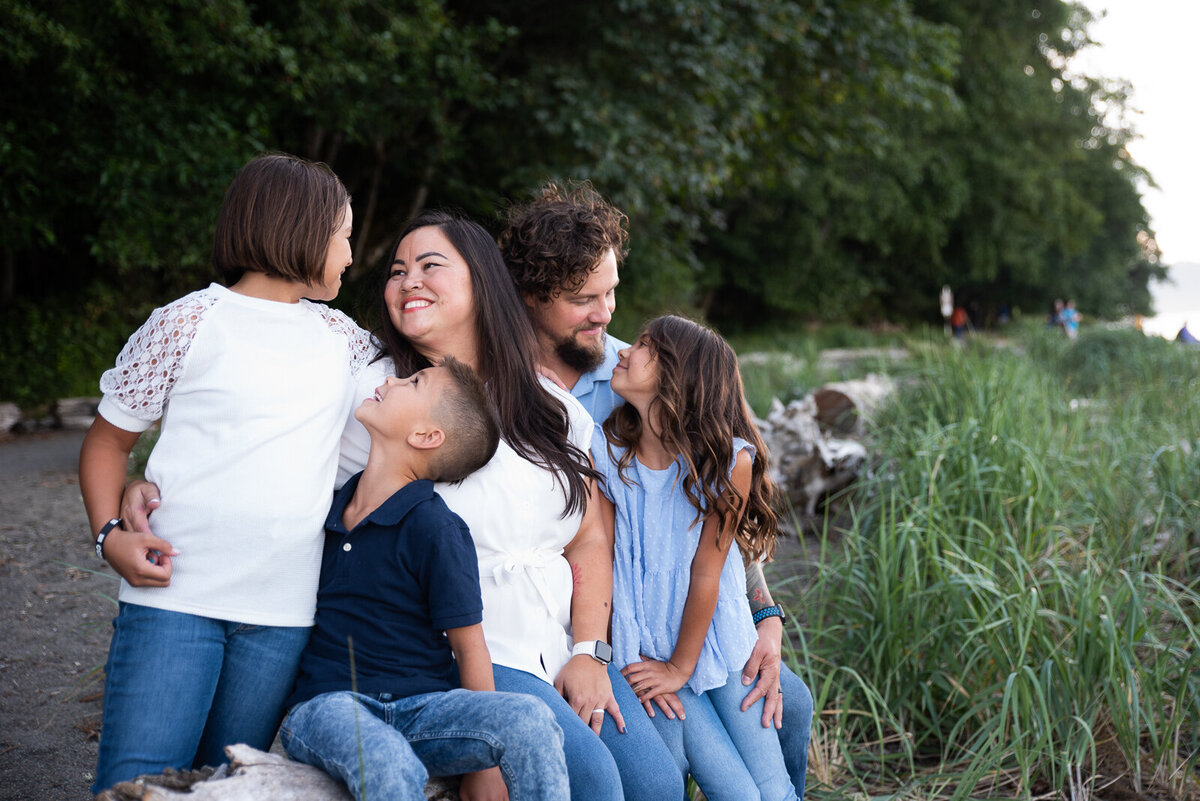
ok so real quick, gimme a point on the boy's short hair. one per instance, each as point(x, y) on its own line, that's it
point(553, 243)
point(469, 420)
point(277, 218)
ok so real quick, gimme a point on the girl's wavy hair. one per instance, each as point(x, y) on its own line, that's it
point(533, 422)
point(701, 406)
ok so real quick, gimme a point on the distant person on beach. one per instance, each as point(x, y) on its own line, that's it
point(396, 682)
point(946, 306)
point(959, 321)
point(1054, 318)
point(215, 610)
point(1070, 320)
point(1186, 337)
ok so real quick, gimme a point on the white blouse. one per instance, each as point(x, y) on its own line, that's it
point(514, 509)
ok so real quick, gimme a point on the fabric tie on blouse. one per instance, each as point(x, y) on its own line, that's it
point(529, 562)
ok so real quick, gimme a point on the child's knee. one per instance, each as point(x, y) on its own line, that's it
point(532, 718)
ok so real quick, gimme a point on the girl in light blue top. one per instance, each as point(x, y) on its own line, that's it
point(685, 476)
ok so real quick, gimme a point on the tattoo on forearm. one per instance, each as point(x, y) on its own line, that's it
point(757, 591)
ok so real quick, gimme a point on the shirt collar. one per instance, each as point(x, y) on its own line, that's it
point(389, 513)
point(603, 373)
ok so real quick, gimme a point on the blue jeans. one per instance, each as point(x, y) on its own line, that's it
point(385, 748)
point(797, 726)
point(728, 752)
point(635, 766)
point(178, 688)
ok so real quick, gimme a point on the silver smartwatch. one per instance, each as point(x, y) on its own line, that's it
point(596, 649)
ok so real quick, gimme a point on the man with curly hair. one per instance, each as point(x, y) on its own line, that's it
point(563, 250)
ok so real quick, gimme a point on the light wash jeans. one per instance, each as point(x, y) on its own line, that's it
point(385, 748)
point(728, 752)
point(178, 688)
point(797, 726)
point(635, 766)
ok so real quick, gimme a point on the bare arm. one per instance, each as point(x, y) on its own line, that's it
point(475, 672)
point(583, 681)
point(102, 463)
point(652, 677)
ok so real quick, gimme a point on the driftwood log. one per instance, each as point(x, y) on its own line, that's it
point(811, 440)
point(252, 775)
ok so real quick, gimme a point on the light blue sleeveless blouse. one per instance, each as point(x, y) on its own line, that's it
point(655, 543)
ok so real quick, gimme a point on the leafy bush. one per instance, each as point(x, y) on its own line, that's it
point(59, 347)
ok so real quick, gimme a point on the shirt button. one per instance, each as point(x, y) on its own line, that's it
point(346, 547)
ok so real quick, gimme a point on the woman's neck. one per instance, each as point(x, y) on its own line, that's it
point(269, 287)
point(462, 350)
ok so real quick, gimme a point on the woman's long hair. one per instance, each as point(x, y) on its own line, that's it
point(701, 407)
point(532, 421)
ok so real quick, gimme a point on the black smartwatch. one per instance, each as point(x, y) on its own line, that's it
point(596, 649)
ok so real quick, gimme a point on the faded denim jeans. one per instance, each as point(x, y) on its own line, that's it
point(385, 748)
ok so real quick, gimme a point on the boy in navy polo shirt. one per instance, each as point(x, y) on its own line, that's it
point(377, 703)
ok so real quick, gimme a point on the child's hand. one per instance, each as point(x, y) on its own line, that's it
point(483, 785)
point(669, 703)
point(651, 677)
point(139, 557)
point(139, 500)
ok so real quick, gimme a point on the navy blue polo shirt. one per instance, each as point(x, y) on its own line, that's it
point(394, 584)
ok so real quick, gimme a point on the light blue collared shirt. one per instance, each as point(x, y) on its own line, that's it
point(593, 389)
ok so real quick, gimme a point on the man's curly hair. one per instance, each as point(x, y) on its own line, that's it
point(552, 243)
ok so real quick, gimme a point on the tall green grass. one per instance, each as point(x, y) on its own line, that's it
point(1012, 609)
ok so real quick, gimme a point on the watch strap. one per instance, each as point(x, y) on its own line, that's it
point(769, 611)
point(596, 649)
point(103, 535)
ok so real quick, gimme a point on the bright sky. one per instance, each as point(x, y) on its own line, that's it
point(1152, 43)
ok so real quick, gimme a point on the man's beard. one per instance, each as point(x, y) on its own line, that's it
point(580, 357)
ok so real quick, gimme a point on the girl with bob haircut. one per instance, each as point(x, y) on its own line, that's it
point(251, 384)
point(685, 472)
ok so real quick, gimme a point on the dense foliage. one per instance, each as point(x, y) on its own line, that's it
point(780, 160)
point(1011, 610)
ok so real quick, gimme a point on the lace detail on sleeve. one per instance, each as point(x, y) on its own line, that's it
point(152, 359)
point(360, 345)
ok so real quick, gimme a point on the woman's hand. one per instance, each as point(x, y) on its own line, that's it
point(483, 785)
point(650, 677)
point(584, 683)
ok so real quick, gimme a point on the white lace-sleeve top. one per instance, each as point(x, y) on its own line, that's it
point(252, 396)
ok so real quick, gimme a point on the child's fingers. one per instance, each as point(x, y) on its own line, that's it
point(139, 500)
point(670, 704)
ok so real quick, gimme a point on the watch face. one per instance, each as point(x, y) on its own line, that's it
point(603, 652)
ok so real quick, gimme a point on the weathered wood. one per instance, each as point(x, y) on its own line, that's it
point(76, 413)
point(252, 775)
point(808, 462)
point(844, 406)
point(10, 414)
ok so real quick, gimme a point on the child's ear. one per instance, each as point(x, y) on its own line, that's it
point(427, 438)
